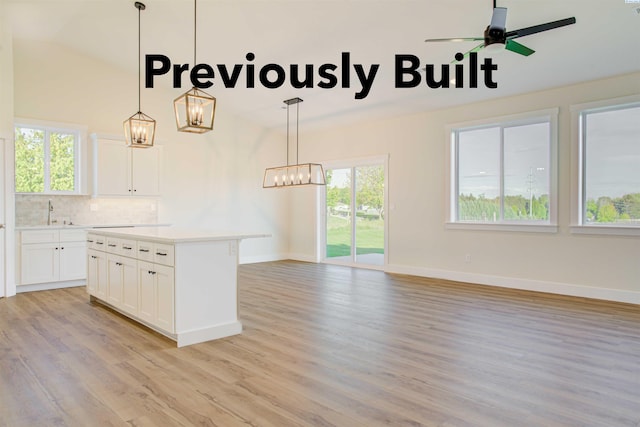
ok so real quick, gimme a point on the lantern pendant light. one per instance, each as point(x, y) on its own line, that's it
point(195, 109)
point(293, 175)
point(139, 129)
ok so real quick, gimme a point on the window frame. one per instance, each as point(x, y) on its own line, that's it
point(537, 226)
point(79, 150)
point(578, 201)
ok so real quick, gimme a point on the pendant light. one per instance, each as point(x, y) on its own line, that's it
point(139, 129)
point(293, 175)
point(195, 108)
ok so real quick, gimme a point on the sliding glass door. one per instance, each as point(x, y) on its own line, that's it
point(355, 214)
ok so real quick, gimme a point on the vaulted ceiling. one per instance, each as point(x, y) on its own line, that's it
point(604, 42)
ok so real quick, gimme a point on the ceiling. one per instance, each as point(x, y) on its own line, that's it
point(604, 42)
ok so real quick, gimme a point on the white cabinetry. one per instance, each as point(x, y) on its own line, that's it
point(138, 278)
point(157, 295)
point(186, 280)
point(48, 256)
point(97, 273)
point(123, 171)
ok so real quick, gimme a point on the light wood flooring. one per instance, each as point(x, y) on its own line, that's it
point(328, 345)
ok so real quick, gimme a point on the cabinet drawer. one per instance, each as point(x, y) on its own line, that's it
point(163, 254)
point(128, 248)
point(145, 251)
point(40, 236)
point(95, 242)
point(73, 235)
point(113, 245)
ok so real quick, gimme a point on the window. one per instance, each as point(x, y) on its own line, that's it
point(503, 171)
point(47, 159)
point(609, 163)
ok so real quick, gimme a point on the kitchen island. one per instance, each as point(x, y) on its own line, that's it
point(179, 282)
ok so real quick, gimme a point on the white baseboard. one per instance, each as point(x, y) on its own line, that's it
point(301, 257)
point(522, 284)
point(207, 334)
point(262, 258)
point(49, 286)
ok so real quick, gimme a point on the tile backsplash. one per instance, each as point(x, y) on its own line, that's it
point(31, 210)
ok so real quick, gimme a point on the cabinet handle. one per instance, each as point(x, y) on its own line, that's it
point(62, 248)
point(144, 250)
point(89, 241)
point(127, 248)
point(129, 190)
point(151, 272)
point(56, 249)
point(93, 256)
point(161, 254)
point(118, 263)
point(111, 245)
point(99, 243)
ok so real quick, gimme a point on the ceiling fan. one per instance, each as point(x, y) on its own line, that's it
point(497, 36)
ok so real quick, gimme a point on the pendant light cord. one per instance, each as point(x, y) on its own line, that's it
point(139, 93)
point(287, 134)
point(297, 131)
point(195, 23)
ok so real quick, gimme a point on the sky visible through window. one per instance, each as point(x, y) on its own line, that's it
point(612, 148)
point(526, 161)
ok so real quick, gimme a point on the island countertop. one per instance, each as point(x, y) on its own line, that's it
point(176, 234)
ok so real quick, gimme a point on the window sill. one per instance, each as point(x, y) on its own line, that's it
point(612, 230)
point(527, 228)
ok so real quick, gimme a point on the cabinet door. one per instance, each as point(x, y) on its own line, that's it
point(103, 282)
point(165, 297)
point(147, 295)
point(113, 168)
point(72, 260)
point(92, 272)
point(115, 280)
point(145, 171)
point(130, 286)
point(40, 263)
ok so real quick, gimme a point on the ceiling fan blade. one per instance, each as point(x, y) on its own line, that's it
point(516, 47)
point(460, 39)
point(540, 28)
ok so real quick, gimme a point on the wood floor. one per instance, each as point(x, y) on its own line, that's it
point(328, 345)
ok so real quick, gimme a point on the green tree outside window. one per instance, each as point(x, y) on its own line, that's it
point(45, 160)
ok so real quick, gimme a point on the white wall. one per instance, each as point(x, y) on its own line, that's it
point(595, 266)
point(211, 181)
point(7, 241)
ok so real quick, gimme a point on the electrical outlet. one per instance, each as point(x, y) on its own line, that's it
point(467, 258)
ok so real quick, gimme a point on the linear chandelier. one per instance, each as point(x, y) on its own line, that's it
point(139, 129)
point(298, 174)
point(195, 109)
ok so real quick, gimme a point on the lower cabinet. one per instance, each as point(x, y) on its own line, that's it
point(120, 275)
point(52, 256)
point(157, 291)
point(97, 273)
point(122, 283)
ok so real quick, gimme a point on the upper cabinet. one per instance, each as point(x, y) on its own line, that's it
point(124, 171)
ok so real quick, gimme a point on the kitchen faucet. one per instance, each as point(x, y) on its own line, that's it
point(49, 213)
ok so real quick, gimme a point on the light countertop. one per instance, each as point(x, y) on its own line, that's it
point(176, 234)
point(82, 226)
